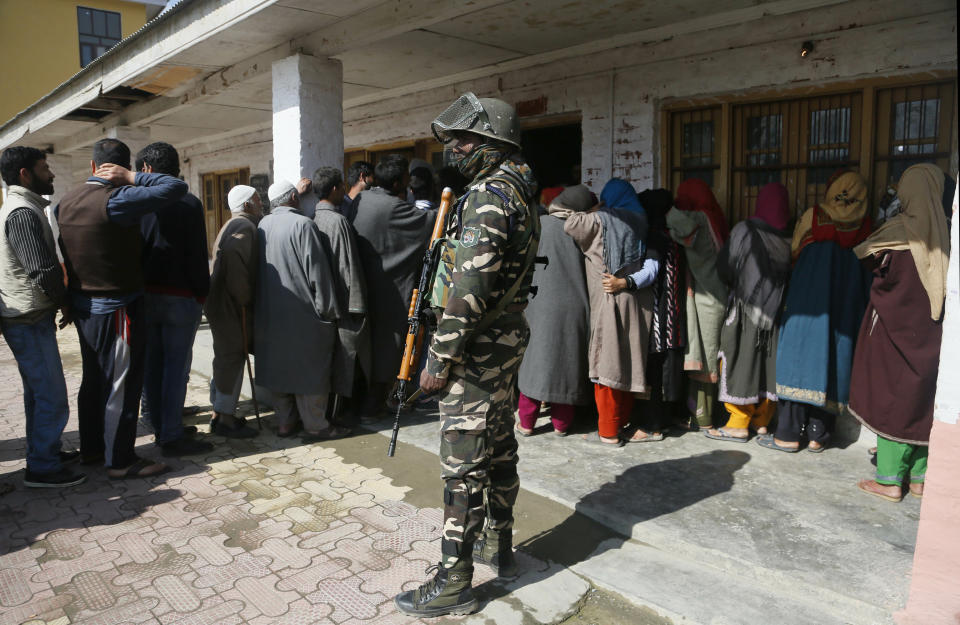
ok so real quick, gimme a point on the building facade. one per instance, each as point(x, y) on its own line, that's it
point(739, 93)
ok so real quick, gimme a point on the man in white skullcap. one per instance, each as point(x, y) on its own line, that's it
point(297, 310)
point(229, 308)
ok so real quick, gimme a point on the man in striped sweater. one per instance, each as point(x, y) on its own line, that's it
point(31, 291)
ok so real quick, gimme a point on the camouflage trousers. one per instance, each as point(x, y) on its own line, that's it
point(478, 449)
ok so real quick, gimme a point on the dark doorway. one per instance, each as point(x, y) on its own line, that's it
point(553, 153)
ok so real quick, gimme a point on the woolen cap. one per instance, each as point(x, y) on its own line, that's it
point(238, 196)
point(279, 189)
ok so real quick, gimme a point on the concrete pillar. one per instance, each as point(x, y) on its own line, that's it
point(136, 138)
point(307, 118)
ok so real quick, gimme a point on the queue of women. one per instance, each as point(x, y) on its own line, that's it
point(655, 311)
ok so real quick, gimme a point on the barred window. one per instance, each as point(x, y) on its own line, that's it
point(913, 125)
point(695, 150)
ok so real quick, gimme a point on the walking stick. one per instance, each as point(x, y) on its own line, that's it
point(253, 387)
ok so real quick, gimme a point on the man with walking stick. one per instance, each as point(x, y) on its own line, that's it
point(229, 309)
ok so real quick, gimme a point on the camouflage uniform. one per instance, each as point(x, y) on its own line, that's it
point(495, 230)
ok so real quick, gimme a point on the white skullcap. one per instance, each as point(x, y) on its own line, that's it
point(238, 196)
point(279, 189)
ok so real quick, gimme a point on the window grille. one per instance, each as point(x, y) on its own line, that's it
point(695, 139)
point(913, 125)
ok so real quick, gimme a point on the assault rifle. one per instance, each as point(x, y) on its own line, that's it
point(410, 365)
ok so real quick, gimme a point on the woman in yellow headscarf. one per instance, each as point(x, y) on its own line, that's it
point(898, 352)
point(822, 312)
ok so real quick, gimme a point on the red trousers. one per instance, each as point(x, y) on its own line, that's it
point(614, 408)
point(560, 414)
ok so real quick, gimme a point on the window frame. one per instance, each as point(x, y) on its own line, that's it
point(863, 131)
point(101, 40)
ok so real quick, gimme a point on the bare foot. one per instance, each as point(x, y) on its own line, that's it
point(884, 491)
point(916, 489)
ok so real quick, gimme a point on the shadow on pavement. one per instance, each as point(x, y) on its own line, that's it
point(641, 493)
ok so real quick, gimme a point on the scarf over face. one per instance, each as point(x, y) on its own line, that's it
point(572, 200)
point(624, 225)
point(759, 257)
point(695, 195)
point(841, 217)
point(921, 227)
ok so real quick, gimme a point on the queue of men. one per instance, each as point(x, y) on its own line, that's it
point(136, 280)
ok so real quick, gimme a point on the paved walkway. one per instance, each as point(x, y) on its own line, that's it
point(265, 532)
point(271, 531)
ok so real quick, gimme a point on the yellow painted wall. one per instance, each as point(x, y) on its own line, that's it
point(40, 45)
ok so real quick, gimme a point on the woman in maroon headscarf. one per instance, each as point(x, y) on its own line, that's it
point(755, 264)
point(698, 225)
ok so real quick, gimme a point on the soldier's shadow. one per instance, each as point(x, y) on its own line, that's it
point(604, 519)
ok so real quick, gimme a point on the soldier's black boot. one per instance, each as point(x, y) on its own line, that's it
point(495, 549)
point(449, 592)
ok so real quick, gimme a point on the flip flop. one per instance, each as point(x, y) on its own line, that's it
point(522, 431)
point(133, 471)
point(862, 485)
point(816, 450)
point(724, 436)
point(649, 438)
point(596, 440)
point(767, 440)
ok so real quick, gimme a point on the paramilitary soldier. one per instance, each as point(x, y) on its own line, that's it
point(476, 351)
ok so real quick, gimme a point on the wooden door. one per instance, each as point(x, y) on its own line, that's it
point(216, 186)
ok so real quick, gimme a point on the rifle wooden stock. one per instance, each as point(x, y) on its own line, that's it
point(418, 300)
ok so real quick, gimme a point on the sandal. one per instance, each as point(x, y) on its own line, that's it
point(135, 470)
point(296, 427)
point(816, 450)
point(596, 439)
point(869, 487)
point(522, 431)
point(647, 438)
point(329, 434)
point(768, 441)
point(723, 435)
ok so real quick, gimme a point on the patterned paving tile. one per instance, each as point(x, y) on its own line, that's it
point(259, 532)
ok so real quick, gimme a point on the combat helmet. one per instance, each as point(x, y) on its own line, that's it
point(488, 117)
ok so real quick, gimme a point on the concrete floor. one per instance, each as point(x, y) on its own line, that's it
point(687, 530)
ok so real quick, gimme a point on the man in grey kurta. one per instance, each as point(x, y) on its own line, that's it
point(296, 316)
point(392, 234)
point(351, 357)
point(229, 308)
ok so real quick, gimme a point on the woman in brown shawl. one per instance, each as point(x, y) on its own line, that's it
point(895, 366)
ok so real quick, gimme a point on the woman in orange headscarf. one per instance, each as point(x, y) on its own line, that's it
point(698, 224)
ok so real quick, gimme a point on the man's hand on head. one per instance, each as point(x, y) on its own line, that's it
point(304, 186)
point(116, 175)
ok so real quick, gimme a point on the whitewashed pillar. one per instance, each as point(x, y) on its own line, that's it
point(135, 137)
point(307, 118)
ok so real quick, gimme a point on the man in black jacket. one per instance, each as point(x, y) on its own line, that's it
point(177, 281)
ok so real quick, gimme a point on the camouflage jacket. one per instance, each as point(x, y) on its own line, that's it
point(494, 239)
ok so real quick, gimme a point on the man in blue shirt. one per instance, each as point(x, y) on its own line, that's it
point(103, 252)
